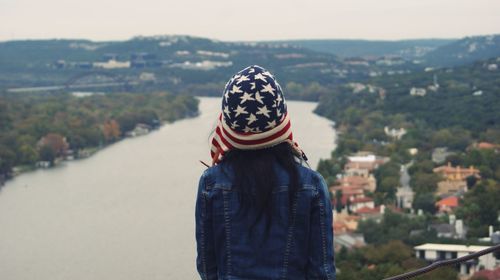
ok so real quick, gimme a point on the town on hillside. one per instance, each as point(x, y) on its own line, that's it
point(354, 206)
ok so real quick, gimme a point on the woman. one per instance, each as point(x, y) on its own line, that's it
point(261, 214)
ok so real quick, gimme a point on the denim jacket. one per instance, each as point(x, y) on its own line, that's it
point(299, 239)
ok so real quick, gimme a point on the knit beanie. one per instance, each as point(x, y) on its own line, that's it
point(254, 115)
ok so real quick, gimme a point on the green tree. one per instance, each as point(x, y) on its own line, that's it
point(27, 154)
point(426, 202)
point(424, 182)
point(47, 153)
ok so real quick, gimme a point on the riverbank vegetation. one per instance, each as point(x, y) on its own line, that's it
point(38, 128)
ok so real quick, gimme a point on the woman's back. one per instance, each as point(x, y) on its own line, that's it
point(260, 214)
point(297, 245)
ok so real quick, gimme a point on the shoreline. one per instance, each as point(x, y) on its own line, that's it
point(83, 154)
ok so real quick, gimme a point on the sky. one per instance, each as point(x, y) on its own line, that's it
point(248, 20)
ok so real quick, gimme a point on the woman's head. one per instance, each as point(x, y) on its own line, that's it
point(254, 136)
point(253, 114)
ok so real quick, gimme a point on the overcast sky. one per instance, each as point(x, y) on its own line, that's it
point(249, 19)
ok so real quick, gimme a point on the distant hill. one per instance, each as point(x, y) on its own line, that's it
point(408, 49)
point(465, 96)
point(201, 66)
point(464, 51)
point(175, 61)
point(179, 63)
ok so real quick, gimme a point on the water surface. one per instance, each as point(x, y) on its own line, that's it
point(128, 211)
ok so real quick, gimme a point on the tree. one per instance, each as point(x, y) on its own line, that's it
point(329, 168)
point(27, 154)
point(424, 182)
point(480, 208)
point(338, 201)
point(426, 202)
point(47, 153)
point(388, 185)
point(471, 181)
point(57, 142)
point(7, 159)
point(111, 131)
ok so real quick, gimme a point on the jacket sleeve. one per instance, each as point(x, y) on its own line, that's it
point(321, 259)
point(205, 260)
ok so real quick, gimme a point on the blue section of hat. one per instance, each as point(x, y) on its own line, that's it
point(253, 101)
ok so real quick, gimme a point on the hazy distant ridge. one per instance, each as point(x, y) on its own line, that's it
point(362, 48)
point(464, 51)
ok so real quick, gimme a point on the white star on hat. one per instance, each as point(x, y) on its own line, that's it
point(252, 118)
point(271, 124)
point(240, 110)
point(226, 111)
point(236, 89)
point(247, 129)
point(242, 79)
point(245, 97)
point(261, 77)
point(268, 88)
point(258, 97)
point(234, 125)
point(263, 111)
point(279, 99)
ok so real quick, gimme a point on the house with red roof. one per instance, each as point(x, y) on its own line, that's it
point(361, 202)
point(373, 213)
point(448, 204)
point(487, 274)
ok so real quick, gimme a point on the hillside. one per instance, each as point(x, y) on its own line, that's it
point(429, 52)
point(409, 49)
point(200, 66)
point(179, 63)
point(464, 51)
point(166, 61)
point(465, 96)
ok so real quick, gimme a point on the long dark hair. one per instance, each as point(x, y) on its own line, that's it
point(255, 178)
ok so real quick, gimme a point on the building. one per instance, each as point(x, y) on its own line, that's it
point(456, 173)
point(487, 274)
point(347, 224)
point(139, 130)
point(355, 204)
point(486, 146)
point(147, 77)
point(439, 154)
point(418, 91)
point(367, 213)
point(404, 197)
point(447, 205)
point(395, 133)
point(362, 163)
point(347, 192)
point(348, 240)
point(454, 179)
point(435, 252)
point(454, 229)
point(366, 182)
point(344, 222)
point(112, 64)
point(492, 67)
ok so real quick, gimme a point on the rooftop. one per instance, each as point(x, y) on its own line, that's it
point(451, 201)
point(450, 247)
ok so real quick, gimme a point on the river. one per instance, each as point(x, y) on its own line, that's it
point(127, 212)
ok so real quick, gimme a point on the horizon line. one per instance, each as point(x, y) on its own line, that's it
point(247, 41)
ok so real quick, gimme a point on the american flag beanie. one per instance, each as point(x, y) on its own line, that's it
point(254, 115)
